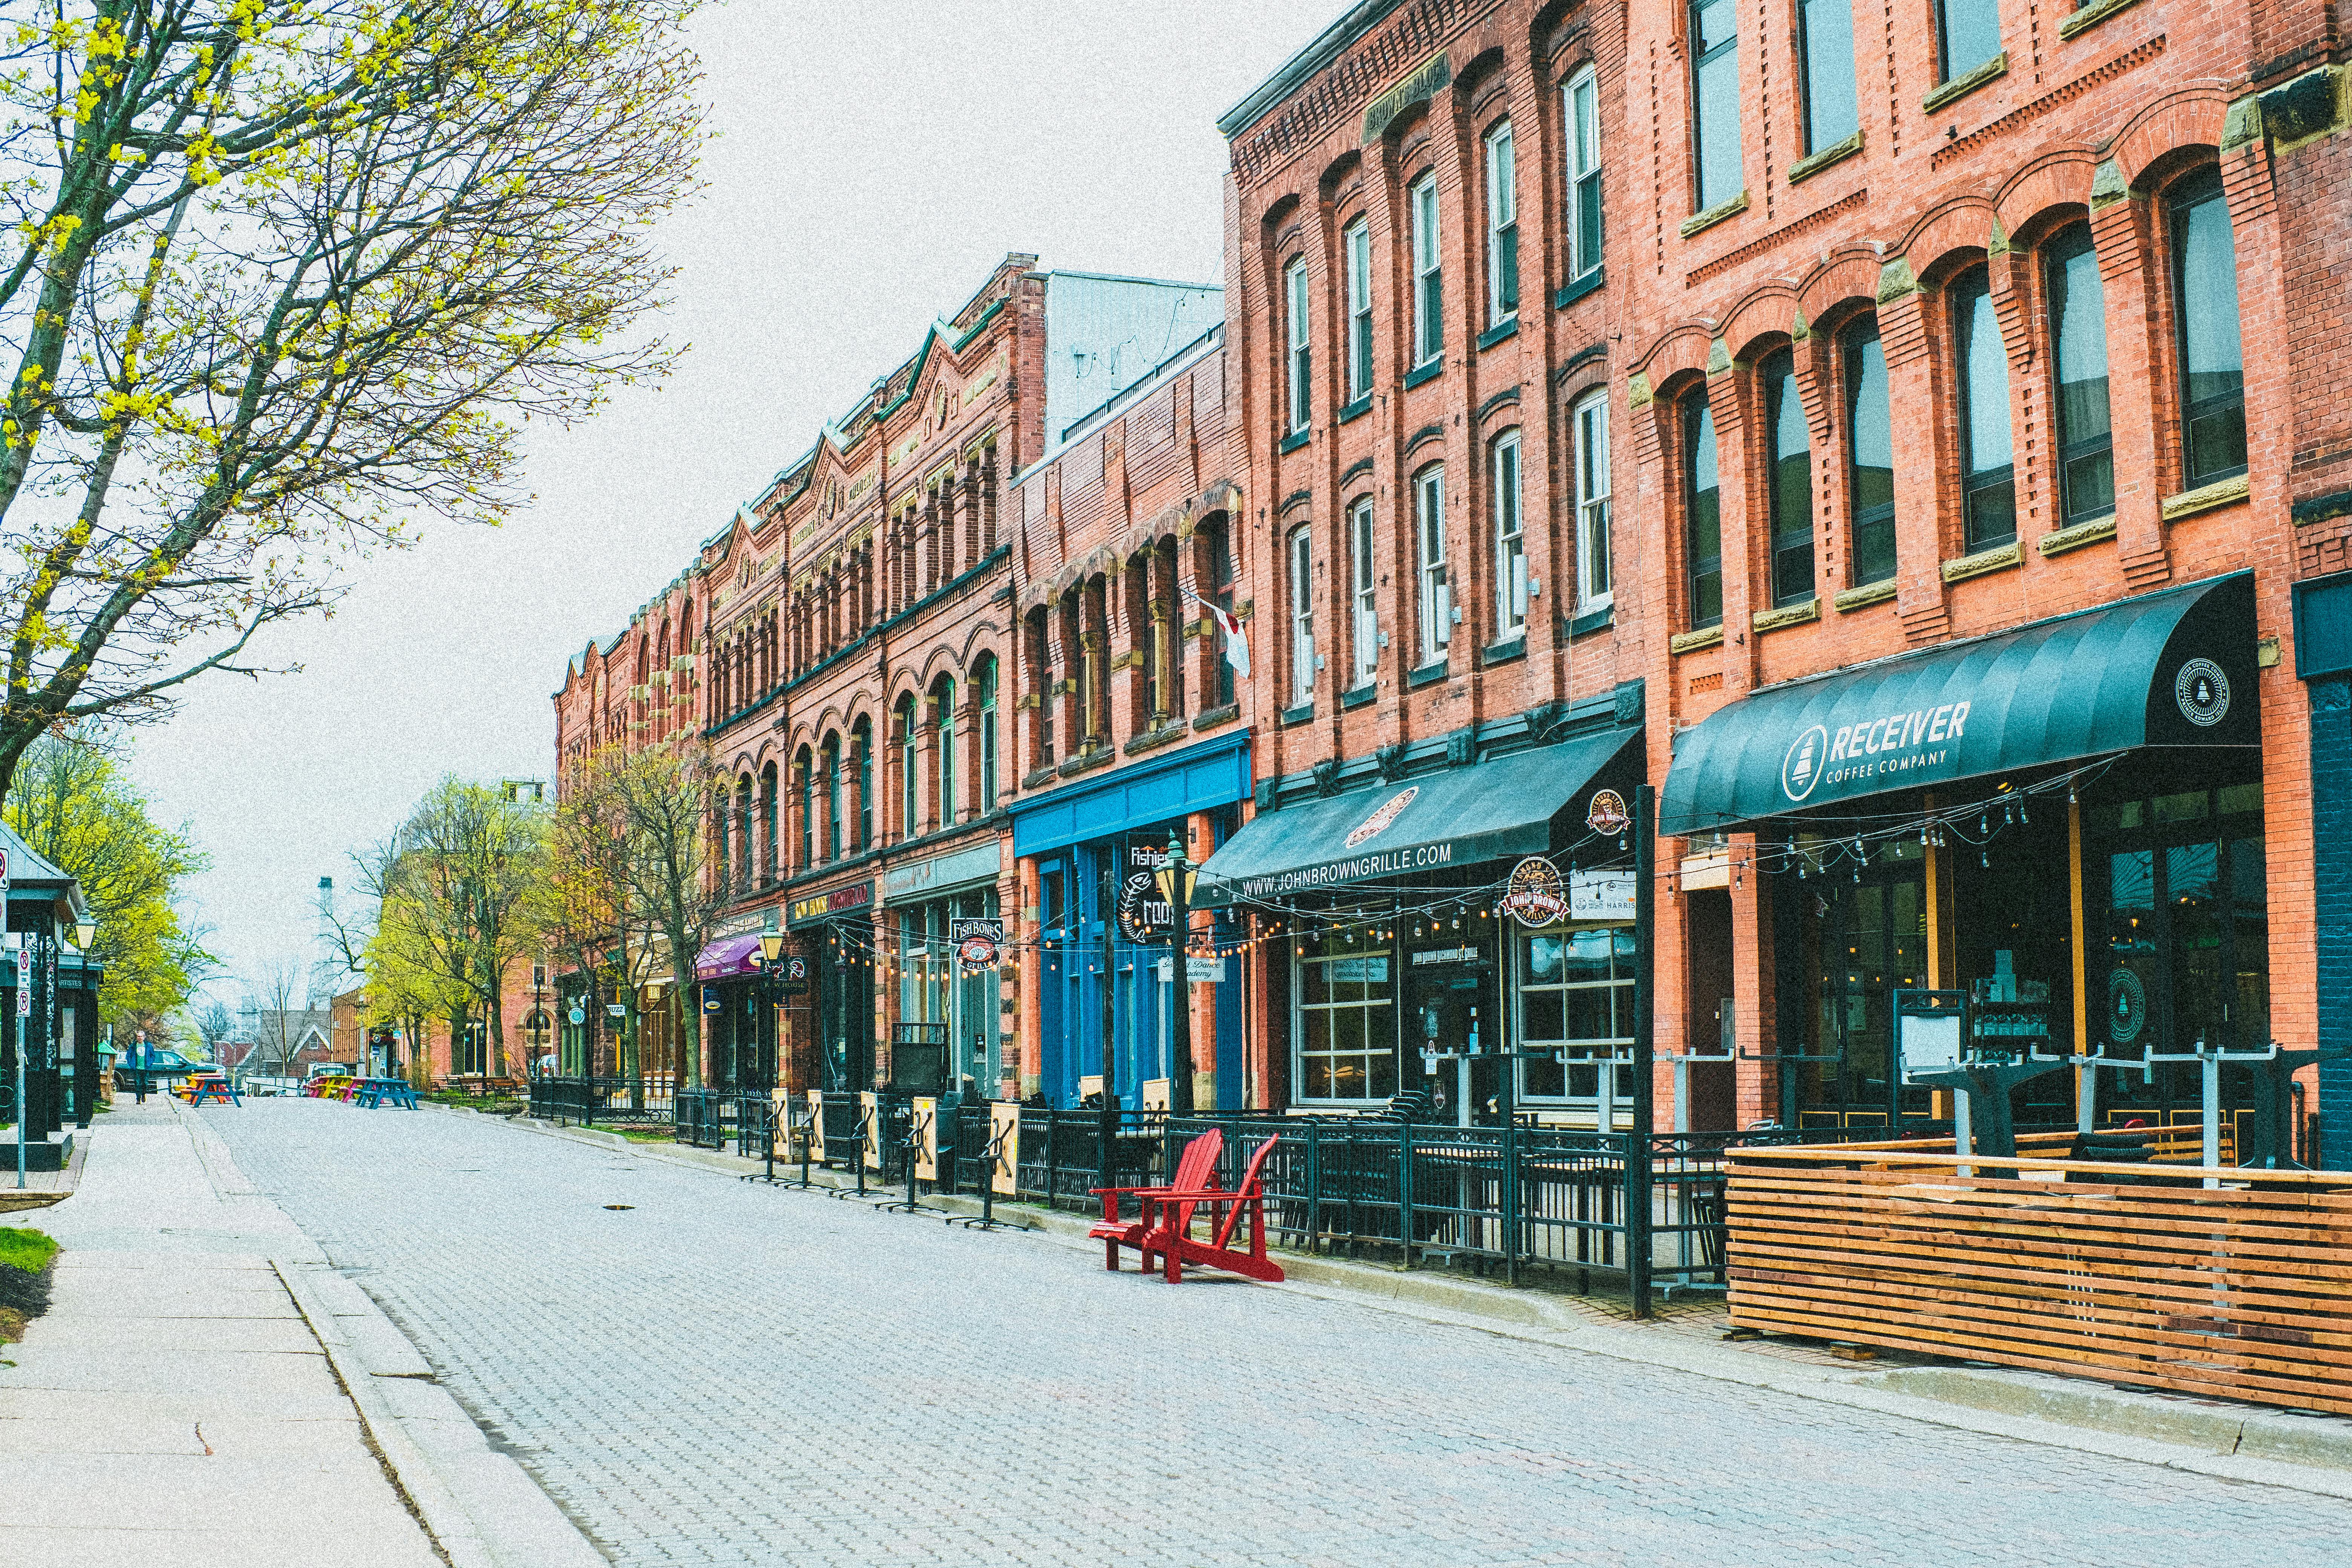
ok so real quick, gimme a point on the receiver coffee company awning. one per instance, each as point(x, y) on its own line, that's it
point(1507, 807)
point(2171, 669)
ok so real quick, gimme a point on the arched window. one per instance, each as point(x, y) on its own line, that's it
point(861, 752)
point(804, 788)
point(1988, 475)
point(2205, 318)
point(768, 821)
point(910, 791)
point(1702, 512)
point(984, 690)
point(1302, 617)
point(1789, 488)
point(743, 870)
point(1502, 227)
point(833, 847)
point(1294, 295)
point(943, 717)
point(1219, 549)
point(1869, 452)
point(2078, 356)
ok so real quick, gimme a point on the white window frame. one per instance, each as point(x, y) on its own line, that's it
point(1428, 274)
point(1357, 243)
point(1502, 222)
point(1301, 548)
point(1367, 607)
point(1294, 293)
point(1429, 533)
point(1506, 479)
point(1582, 101)
point(1588, 431)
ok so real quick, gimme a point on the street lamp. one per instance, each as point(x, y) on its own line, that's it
point(1176, 876)
point(85, 932)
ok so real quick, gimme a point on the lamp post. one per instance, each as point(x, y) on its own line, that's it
point(771, 957)
point(1176, 878)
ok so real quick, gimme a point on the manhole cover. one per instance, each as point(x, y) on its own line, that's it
point(620, 1206)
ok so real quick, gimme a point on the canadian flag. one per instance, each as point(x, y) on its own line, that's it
point(1236, 646)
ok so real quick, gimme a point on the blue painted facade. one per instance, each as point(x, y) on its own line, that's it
point(2323, 650)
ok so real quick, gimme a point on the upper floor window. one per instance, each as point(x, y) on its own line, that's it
point(1510, 542)
point(1302, 616)
point(1988, 475)
point(1221, 594)
point(1870, 452)
point(1714, 100)
point(1967, 34)
point(1825, 69)
point(984, 697)
point(1789, 489)
point(804, 768)
point(1428, 284)
point(1294, 293)
point(910, 778)
point(861, 754)
point(2078, 354)
point(832, 846)
point(1590, 429)
point(1502, 227)
point(2205, 315)
point(1436, 595)
point(1367, 615)
point(1703, 511)
point(1357, 242)
point(1582, 97)
point(943, 707)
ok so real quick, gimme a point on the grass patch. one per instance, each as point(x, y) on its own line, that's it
point(29, 1250)
point(487, 1104)
point(25, 1258)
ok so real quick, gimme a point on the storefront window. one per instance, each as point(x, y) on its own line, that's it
point(2181, 882)
point(1576, 993)
point(1345, 984)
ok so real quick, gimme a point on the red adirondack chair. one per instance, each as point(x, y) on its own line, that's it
point(1163, 1231)
point(1194, 1168)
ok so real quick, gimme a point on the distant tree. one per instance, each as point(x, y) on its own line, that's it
point(72, 804)
point(213, 1024)
point(285, 276)
point(279, 991)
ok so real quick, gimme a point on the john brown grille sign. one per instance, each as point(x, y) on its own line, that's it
point(1377, 823)
point(1607, 814)
point(1535, 894)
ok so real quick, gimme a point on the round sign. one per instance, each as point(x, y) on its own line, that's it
point(1535, 896)
point(2203, 693)
point(1143, 914)
point(1607, 815)
point(2126, 1006)
point(797, 969)
point(579, 1015)
point(1377, 823)
point(1801, 770)
point(977, 952)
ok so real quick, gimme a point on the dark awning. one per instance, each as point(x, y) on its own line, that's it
point(2171, 669)
point(1509, 805)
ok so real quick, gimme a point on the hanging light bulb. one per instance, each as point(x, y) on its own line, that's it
point(1984, 823)
point(1984, 859)
point(2021, 817)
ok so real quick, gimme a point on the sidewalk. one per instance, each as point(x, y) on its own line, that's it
point(204, 1391)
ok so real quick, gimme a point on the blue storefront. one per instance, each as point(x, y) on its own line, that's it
point(1079, 844)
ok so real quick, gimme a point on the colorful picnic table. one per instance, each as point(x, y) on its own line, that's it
point(375, 1093)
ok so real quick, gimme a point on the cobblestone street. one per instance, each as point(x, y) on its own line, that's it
point(723, 1373)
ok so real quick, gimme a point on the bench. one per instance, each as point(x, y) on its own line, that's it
point(1163, 1231)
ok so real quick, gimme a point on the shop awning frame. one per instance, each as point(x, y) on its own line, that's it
point(1521, 803)
point(2170, 668)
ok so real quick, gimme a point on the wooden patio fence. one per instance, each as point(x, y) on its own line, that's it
point(2240, 1290)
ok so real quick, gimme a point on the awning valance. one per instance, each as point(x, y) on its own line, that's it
point(1509, 805)
point(728, 956)
point(2171, 669)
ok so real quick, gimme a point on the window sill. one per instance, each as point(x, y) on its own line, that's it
point(1295, 439)
point(1593, 620)
point(1500, 333)
point(1429, 372)
point(1797, 615)
point(1298, 715)
point(1867, 594)
point(1169, 731)
point(1959, 87)
point(1837, 153)
point(1426, 675)
point(1715, 214)
point(1355, 410)
point(1695, 641)
point(1084, 761)
point(2090, 17)
point(1503, 652)
point(1998, 559)
point(1349, 700)
point(1216, 716)
point(2060, 541)
point(2205, 498)
point(1575, 290)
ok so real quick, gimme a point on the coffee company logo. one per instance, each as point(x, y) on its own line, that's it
point(1801, 770)
point(2203, 693)
point(1377, 823)
point(2126, 1006)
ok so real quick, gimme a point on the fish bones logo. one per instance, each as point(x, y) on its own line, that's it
point(1801, 770)
point(1377, 823)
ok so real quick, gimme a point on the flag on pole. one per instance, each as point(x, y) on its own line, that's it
point(1236, 646)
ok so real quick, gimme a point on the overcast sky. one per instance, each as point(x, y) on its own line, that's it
point(873, 163)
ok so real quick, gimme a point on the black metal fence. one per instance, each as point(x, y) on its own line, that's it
point(634, 1102)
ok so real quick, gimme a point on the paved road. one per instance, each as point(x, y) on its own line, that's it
point(726, 1375)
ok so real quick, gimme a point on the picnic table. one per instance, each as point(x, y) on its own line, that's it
point(211, 1085)
point(374, 1093)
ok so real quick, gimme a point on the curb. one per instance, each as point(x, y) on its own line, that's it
point(2239, 1442)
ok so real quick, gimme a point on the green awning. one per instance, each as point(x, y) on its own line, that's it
point(2171, 669)
point(1520, 803)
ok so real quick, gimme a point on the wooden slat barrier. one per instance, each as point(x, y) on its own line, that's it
point(2239, 1291)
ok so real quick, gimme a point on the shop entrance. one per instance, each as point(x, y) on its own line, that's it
point(1450, 1013)
point(1857, 942)
point(844, 1006)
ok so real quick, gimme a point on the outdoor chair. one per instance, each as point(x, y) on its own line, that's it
point(1163, 1231)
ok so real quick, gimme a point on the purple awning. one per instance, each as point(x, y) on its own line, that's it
point(729, 955)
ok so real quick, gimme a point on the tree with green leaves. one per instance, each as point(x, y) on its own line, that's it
point(287, 276)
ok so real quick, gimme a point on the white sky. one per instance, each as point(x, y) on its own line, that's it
point(874, 162)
